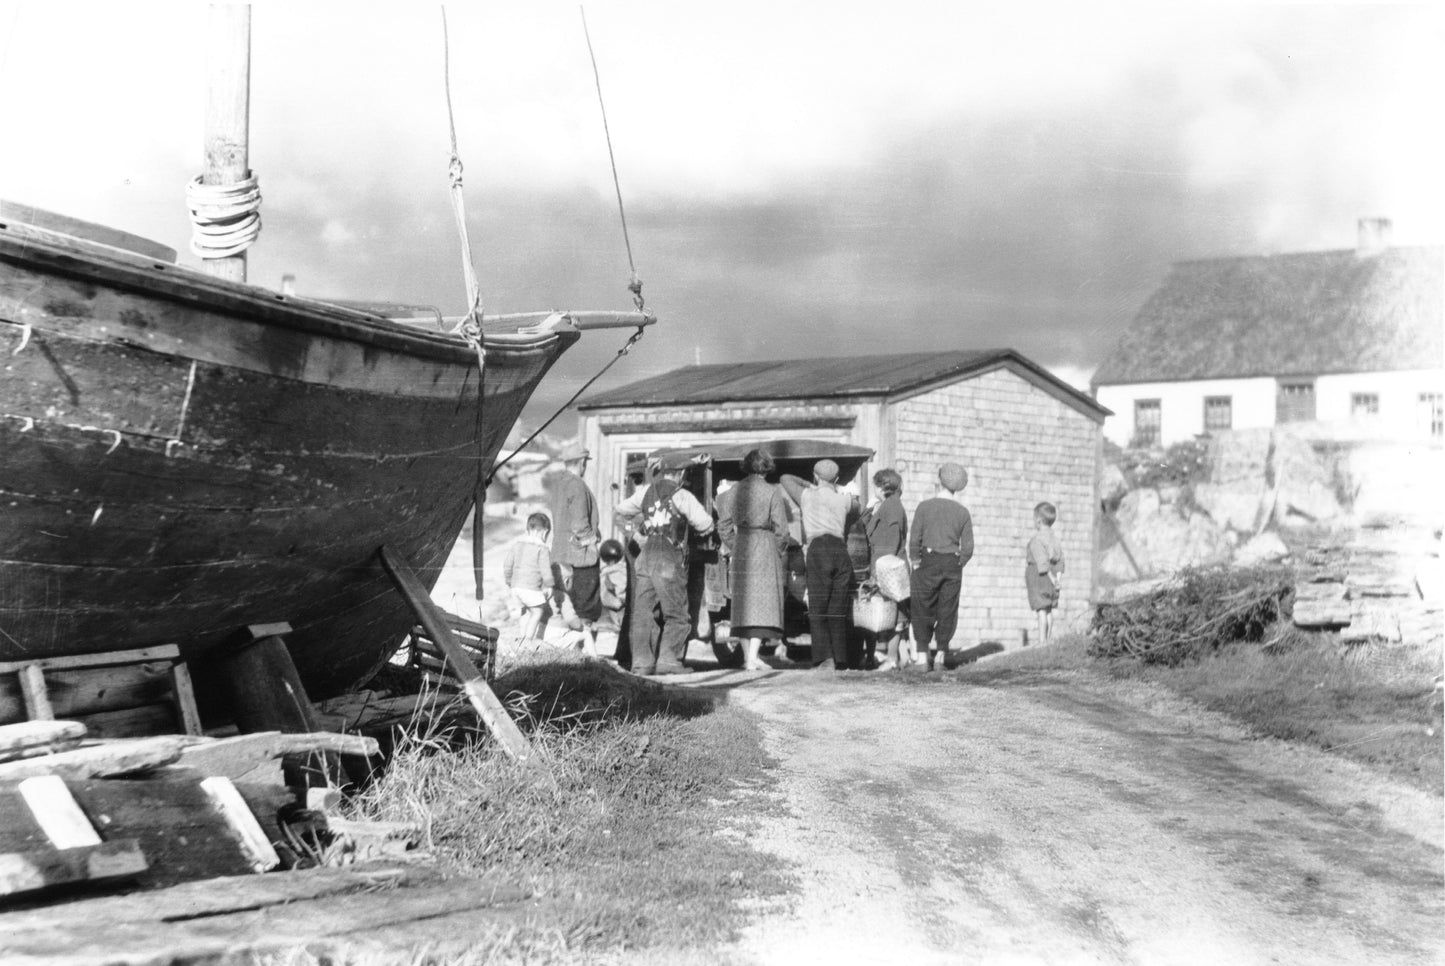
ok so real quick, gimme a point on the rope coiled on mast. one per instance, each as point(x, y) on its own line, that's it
point(225, 218)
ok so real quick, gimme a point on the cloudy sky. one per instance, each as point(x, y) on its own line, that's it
point(800, 178)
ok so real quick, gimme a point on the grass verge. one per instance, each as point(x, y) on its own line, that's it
point(637, 850)
point(1306, 688)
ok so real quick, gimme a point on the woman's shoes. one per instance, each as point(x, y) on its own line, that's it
point(757, 664)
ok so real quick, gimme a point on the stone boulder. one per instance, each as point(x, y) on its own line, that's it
point(1157, 539)
point(1234, 505)
point(1305, 486)
point(1112, 485)
point(1239, 455)
point(1115, 568)
point(1136, 508)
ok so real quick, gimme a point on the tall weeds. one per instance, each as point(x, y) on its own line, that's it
point(622, 837)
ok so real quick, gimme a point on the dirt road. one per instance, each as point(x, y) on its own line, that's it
point(1065, 819)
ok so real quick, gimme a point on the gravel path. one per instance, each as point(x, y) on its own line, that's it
point(1065, 819)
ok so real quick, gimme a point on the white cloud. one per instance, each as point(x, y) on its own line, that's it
point(1076, 376)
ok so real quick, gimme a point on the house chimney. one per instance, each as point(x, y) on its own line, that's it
point(1374, 237)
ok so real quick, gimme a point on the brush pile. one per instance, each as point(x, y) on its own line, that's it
point(1196, 613)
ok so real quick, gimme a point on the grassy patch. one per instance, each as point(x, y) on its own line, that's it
point(1305, 687)
point(1314, 691)
point(635, 849)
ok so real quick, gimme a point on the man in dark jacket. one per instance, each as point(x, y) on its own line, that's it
point(939, 544)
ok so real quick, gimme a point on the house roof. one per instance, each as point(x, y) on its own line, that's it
point(1301, 314)
point(844, 377)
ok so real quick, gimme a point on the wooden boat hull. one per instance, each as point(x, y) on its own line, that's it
point(181, 457)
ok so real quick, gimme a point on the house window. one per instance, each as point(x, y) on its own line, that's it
point(1430, 413)
point(1296, 402)
point(1218, 413)
point(1364, 404)
point(1147, 415)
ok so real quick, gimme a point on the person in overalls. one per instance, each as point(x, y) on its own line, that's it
point(661, 515)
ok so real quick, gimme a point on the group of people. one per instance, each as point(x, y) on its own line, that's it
point(562, 564)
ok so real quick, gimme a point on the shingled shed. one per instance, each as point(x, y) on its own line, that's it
point(1023, 434)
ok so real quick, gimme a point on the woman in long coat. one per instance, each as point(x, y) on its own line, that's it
point(753, 526)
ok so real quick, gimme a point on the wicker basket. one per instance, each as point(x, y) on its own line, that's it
point(874, 612)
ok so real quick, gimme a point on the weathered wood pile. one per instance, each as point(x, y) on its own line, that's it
point(1376, 584)
point(78, 812)
point(117, 694)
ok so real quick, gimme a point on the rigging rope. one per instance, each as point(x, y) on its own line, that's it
point(225, 218)
point(626, 348)
point(635, 286)
point(471, 329)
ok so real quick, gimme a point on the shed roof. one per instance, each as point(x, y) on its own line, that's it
point(1307, 313)
point(844, 377)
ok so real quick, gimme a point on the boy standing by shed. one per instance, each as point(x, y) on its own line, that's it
point(1045, 563)
point(939, 544)
point(527, 571)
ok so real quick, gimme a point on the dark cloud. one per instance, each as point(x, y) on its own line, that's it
point(1041, 229)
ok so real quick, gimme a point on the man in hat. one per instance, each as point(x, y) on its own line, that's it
point(661, 515)
point(575, 539)
point(827, 513)
point(939, 544)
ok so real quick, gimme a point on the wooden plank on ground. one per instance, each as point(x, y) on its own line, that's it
point(48, 868)
point(56, 812)
point(1371, 623)
point(243, 825)
point(488, 707)
point(25, 739)
point(377, 712)
point(238, 755)
point(386, 921)
point(74, 691)
point(34, 693)
point(185, 697)
point(180, 833)
point(212, 897)
point(108, 759)
point(1321, 613)
point(150, 719)
point(165, 652)
point(1321, 604)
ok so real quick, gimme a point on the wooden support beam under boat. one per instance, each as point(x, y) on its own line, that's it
point(266, 694)
point(478, 692)
point(265, 690)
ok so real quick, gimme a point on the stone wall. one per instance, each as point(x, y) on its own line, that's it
point(1021, 446)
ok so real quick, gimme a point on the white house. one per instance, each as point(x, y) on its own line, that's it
point(1349, 340)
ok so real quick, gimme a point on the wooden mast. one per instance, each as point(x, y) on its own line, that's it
point(228, 111)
